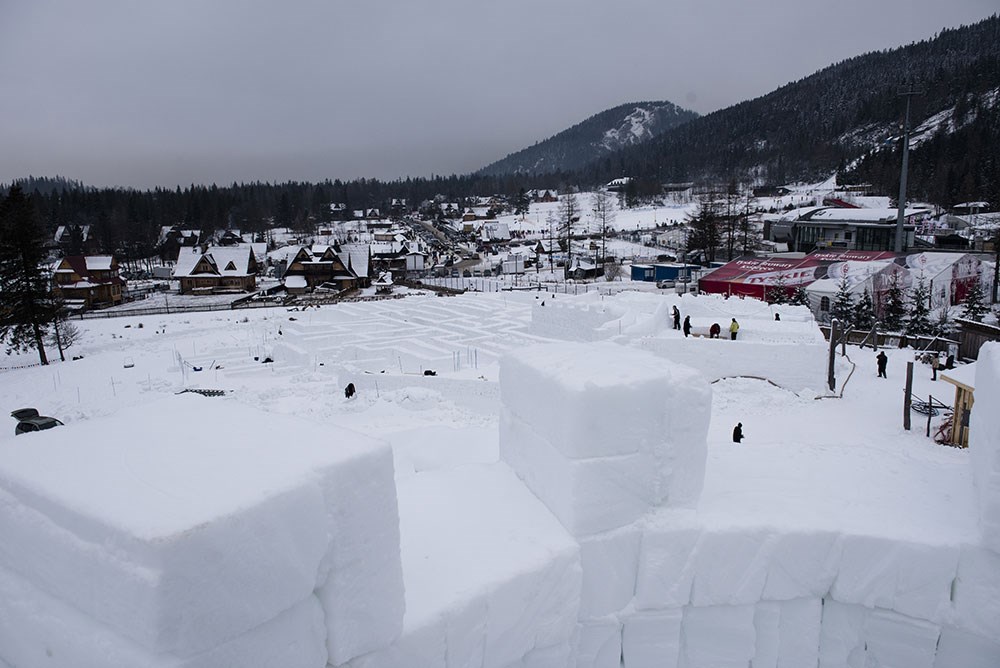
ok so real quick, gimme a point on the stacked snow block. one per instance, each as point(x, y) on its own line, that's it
point(492, 579)
point(219, 538)
point(984, 443)
point(603, 435)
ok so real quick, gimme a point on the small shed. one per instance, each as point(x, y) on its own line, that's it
point(964, 379)
point(671, 271)
point(643, 272)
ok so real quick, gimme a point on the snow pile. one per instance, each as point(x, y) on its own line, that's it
point(160, 539)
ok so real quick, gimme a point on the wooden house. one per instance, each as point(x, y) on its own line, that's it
point(88, 280)
point(216, 269)
point(320, 267)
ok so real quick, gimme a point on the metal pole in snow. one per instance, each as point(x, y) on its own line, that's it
point(907, 396)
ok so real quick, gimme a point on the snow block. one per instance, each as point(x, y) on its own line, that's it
point(666, 566)
point(718, 636)
point(841, 643)
point(652, 639)
point(490, 573)
point(609, 561)
point(599, 644)
point(37, 629)
point(730, 566)
point(588, 496)
point(566, 393)
point(186, 539)
point(958, 648)
point(984, 443)
point(799, 632)
point(362, 595)
point(801, 565)
point(977, 592)
point(910, 578)
point(892, 639)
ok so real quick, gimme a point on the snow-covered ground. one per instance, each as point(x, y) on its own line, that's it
point(477, 546)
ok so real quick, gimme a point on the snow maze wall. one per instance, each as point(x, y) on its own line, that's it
point(582, 547)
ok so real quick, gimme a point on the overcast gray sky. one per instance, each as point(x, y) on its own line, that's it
point(174, 92)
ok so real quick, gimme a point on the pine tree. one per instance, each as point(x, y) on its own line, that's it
point(843, 304)
point(943, 324)
point(894, 308)
point(800, 297)
point(975, 309)
point(26, 306)
point(521, 203)
point(919, 312)
point(777, 292)
point(863, 316)
point(703, 232)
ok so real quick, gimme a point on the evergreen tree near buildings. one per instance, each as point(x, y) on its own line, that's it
point(26, 305)
point(975, 308)
point(703, 231)
point(777, 292)
point(942, 324)
point(800, 297)
point(521, 203)
point(863, 316)
point(894, 307)
point(918, 321)
point(842, 308)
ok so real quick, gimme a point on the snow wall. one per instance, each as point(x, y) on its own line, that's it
point(791, 352)
point(600, 437)
point(179, 535)
point(184, 545)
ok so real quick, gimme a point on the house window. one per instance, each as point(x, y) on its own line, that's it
point(824, 304)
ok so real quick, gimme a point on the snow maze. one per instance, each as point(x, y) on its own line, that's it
point(582, 546)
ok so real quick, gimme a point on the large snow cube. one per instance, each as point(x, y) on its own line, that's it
point(490, 574)
point(802, 565)
point(730, 566)
point(718, 636)
point(958, 648)
point(191, 521)
point(609, 563)
point(841, 643)
point(602, 399)
point(588, 496)
point(911, 578)
point(984, 443)
point(37, 629)
point(599, 644)
point(652, 639)
point(977, 592)
point(892, 639)
point(666, 563)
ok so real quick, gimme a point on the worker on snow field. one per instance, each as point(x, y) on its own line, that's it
point(714, 331)
point(881, 360)
point(687, 325)
point(733, 328)
point(738, 432)
point(677, 317)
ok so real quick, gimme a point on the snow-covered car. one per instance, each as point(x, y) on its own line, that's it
point(28, 420)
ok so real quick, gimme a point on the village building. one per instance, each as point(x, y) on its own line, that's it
point(320, 268)
point(88, 281)
point(845, 228)
point(216, 269)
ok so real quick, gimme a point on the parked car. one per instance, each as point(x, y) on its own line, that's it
point(28, 420)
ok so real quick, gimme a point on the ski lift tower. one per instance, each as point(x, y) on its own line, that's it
point(907, 92)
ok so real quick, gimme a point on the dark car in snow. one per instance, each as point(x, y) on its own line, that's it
point(28, 420)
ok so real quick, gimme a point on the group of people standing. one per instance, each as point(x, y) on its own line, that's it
point(713, 331)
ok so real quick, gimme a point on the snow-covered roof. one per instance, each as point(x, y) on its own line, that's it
point(840, 214)
point(295, 281)
point(964, 374)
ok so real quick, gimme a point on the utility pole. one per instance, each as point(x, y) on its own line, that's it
point(908, 93)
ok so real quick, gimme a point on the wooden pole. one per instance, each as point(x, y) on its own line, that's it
point(831, 379)
point(907, 395)
point(930, 412)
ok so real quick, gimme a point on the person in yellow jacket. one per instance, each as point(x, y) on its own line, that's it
point(733, 328)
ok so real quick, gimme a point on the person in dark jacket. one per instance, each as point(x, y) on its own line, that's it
point(349, 390)
point(687, 325)
point(882, 360)
point(677, 317)
point(714, 331)
point(738, 432)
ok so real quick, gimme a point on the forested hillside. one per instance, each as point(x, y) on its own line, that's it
point(826, 121)
point(600, 135)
